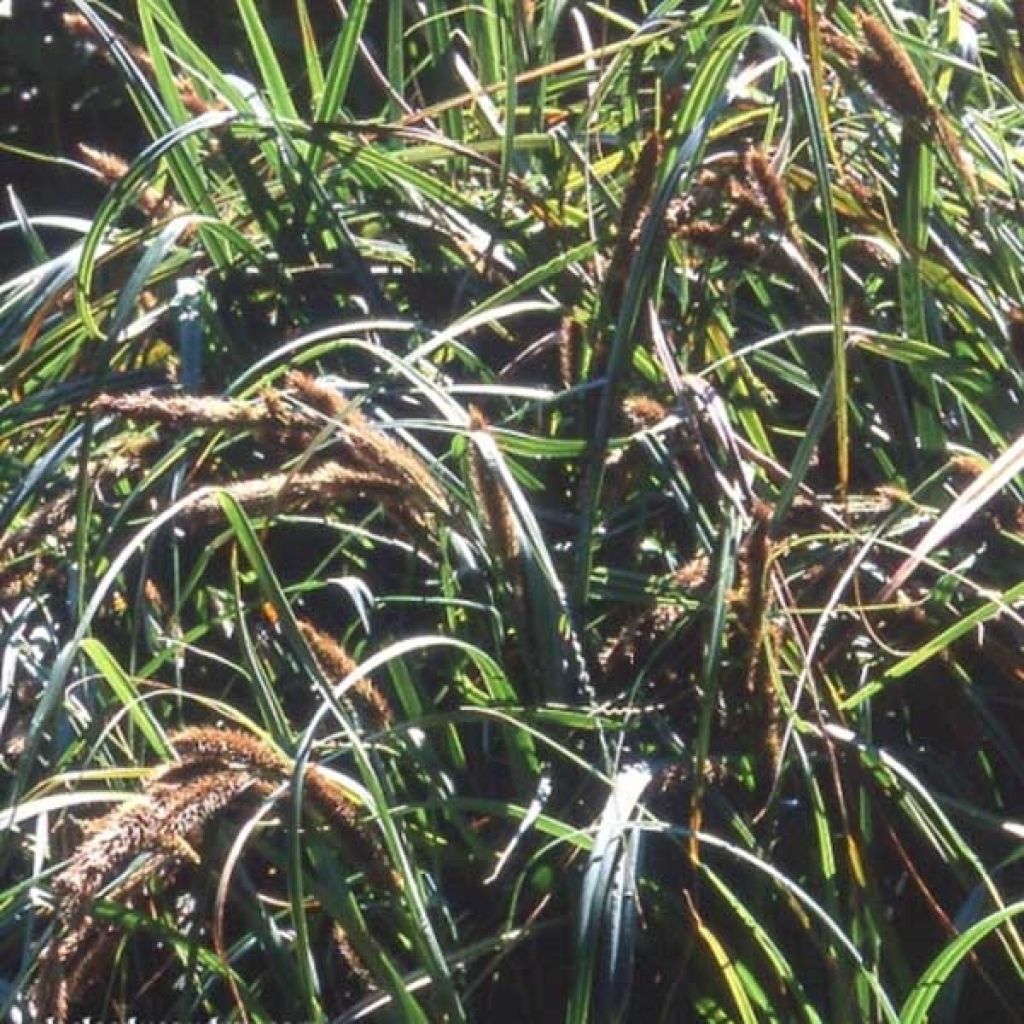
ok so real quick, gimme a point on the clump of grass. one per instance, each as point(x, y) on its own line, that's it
point(522, 513)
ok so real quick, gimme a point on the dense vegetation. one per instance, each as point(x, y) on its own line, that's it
point(513, 512)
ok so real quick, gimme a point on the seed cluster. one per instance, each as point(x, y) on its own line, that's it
point(155, 834)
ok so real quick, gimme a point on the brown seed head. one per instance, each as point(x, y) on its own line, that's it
point(488, 490)
point(350, 959)
point(112, 167)
point(370, 448)
point(641, 182)
point(321, 488)
point(643, 411)
point(180, 411)
point(633, 211)
point(769, 185)
point(968, 465)
point(321, 397)
point(338, 808)
point(570, 345)
point(231, 747)
point(959, 158)
point(336, 664)
point(78, 25)
point(889, 69)
point(694, 573)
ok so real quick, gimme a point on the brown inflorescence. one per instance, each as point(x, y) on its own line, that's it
point(489, 493)
point(375, 467)
point(379, 453)
point(836, 40)
point(315, 393)
point(951, 143)
point(112, 168)
point(752, 612)
point(80, 26)
point(161, 823)
point(155, 823)
point(337, 664)
point(189, 411)
point(216, 768)
point(638, 189)
point(644, 412)
point(769, 185)
point(70, 969)
point(632, 213)
point(746, 248)
point(204, 746)
point(570, 346)
point(230, 747)
point(351, 961)
point(886, 65)
point(968, 465)
point(320, 488)
point(694, 573)
point(832, 35)
point(368, 447)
